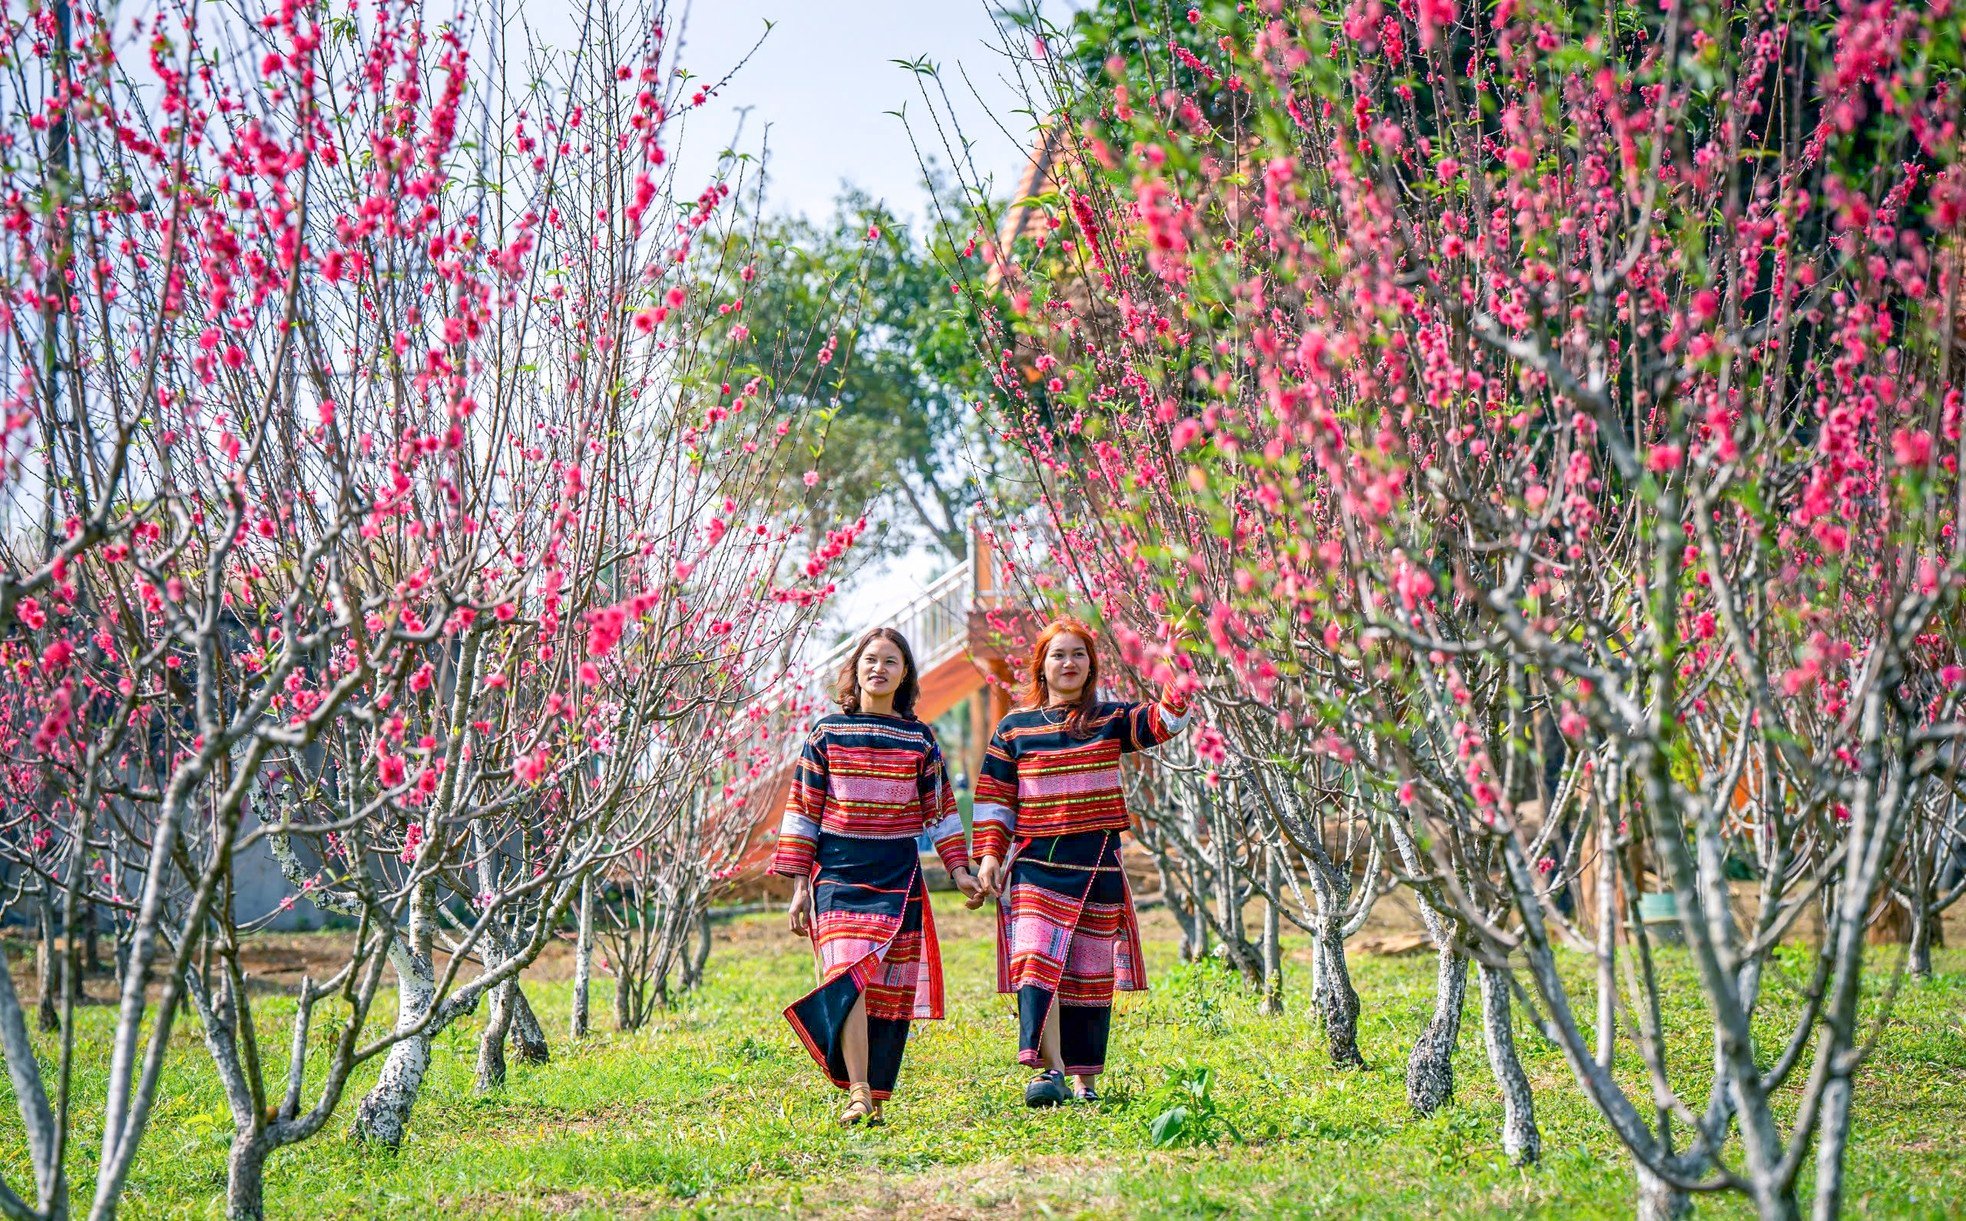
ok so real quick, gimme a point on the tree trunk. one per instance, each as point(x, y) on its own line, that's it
point(583, 961)
point(528, 1036)
point(1607, 944)
point(47, 964)
point(1317, 978)
point(30, 1098)
point(624, 1007)
point(1272, 1003)
point(1832, 1142)
point(1430, 1069)
point(384, 1113)
point(1520, 1138)
point(245, 1178)
point(1920, 958)
point(700, 958)
point(491, 1040)
point(1659, 1200)
point(123, 930)
point(1337, 1000)
point(1234, 944)
point(665, 960)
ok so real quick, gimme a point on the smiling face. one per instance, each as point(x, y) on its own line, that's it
point(1067, 663)
point(881, 669)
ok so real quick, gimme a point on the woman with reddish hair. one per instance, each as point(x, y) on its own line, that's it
point(1048, 815)
point(869, 781)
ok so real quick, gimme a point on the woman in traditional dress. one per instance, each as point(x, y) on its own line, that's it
point(869, 781)
point(1048, 815)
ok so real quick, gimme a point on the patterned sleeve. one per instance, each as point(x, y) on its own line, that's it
point(940, 818)
point(995, 807)
point(1147, 725)
point(798, 833)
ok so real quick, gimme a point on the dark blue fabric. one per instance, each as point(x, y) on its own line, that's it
point(1061, 864)
point(823, 1014)
point(879, 876)
point(863, 875)
point(1083, 1030)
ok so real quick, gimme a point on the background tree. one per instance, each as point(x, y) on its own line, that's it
point(888, 429)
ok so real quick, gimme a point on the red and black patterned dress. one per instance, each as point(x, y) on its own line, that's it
point(1051, 806)
point(865, 788)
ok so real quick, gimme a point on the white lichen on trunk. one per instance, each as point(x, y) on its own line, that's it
point(384, 1112)
point(1520, 1138)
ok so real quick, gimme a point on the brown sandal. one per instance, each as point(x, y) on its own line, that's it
point(862, 1105)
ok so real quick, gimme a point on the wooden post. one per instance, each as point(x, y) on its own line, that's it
point(981, 726)
point(1000, 692)
point(1587, 882)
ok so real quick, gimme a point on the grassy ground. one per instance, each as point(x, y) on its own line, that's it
point(714, 1110)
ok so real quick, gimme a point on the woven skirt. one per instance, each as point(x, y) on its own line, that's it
point(1067, 939)
point(873, 934)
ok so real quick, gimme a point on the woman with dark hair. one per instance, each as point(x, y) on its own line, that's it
point(870, 779)
point(1048, 815)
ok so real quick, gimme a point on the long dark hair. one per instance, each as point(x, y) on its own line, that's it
point(846, 688)
point(1038, 695)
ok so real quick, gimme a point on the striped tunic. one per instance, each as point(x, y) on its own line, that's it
point(868, 777)
point(1037, 780)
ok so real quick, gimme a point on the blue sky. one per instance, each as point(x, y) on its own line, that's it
point(824, 81)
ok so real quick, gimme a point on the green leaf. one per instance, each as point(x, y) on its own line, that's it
point(1167, 1129)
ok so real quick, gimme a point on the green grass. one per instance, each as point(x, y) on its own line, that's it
point(715, 1110)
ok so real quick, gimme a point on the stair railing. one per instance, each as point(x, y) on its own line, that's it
point(935, 623)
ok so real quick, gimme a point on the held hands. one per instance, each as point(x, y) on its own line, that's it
point(799, 912)
point(966, 882)
point(986, 884)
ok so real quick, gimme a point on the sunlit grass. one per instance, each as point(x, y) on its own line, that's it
point(714, 1109)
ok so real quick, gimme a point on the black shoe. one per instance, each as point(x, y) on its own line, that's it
point(1047, 1089)
point(1085, 1093)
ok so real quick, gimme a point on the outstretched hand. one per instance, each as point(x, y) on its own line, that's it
point(1180, 629)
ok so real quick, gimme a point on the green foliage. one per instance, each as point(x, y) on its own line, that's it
point(1194, 1119)
point(1203, 990)
point(861, 305)
point(1126, 42)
